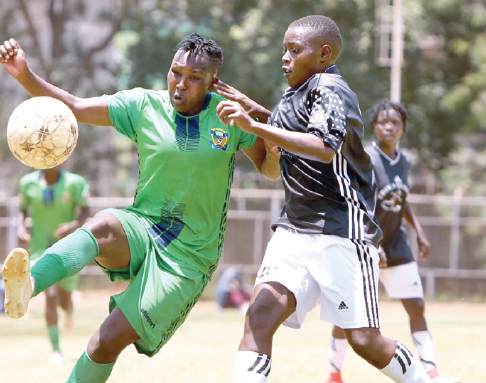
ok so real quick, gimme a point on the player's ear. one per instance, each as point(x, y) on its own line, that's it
point(214, 81)
point(326, 52)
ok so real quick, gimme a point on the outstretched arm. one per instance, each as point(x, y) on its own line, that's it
point(88, 110)
point(302, 144)
point(423, 243)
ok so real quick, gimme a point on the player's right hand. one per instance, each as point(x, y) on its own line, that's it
point(12, 57)
point(383, 261)
point(23, 234)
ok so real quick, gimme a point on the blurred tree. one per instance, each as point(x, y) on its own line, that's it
point(68, 43)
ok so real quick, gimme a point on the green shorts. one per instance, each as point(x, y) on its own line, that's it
point(162, 289)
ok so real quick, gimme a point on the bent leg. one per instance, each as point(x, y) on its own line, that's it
point(102, 238)
point(104, 347)
point(271, 304)
point(389, 356)
point(373, 347)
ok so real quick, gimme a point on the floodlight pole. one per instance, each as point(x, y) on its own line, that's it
point(397, 52)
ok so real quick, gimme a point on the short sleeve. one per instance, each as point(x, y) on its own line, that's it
point(247, 140)
point(81, 192)
point(327, 116)
point(124, 109)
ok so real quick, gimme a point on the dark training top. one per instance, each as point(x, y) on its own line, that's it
point(392, 185)
point(335, 198)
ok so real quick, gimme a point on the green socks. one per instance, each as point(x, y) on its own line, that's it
point(87, 371)
point(53, 332)
point(65, 258)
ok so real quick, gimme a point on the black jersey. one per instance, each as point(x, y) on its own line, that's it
point(392, 185)
point(336, 198)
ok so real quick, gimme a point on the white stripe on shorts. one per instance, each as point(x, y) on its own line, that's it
point(369, 289)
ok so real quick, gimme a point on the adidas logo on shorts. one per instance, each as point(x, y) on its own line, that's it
point(343, 306)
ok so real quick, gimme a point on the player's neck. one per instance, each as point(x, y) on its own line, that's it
point(50, 177)
point(389, 150)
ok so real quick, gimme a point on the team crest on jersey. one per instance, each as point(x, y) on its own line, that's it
point(391, 197)
point(66, 197)
point(219, 139)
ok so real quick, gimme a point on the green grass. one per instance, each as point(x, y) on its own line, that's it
point(203, 349)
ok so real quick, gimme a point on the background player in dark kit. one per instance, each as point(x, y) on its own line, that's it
point(399, 271)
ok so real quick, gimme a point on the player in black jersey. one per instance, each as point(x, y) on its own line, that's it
point(325, 242)
point(399, 271)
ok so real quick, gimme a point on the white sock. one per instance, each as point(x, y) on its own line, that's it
point(404, 368)
point(425, 349)
point(32, 283)
point(336, 353)
point(251, 367)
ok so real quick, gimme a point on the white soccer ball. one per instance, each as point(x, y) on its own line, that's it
point(42, 132)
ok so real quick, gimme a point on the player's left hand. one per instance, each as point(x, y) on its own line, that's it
point(424, 247)
point(251, 107)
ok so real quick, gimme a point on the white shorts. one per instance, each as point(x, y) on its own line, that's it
point(402, 281)
point(341, 273)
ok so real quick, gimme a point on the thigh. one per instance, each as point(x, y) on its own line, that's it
point(402, 281)
point(272, 303)
point(283, 265)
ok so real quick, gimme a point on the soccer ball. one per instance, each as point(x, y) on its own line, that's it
point(42, 132)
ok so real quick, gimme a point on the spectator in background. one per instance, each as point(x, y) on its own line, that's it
point(231, 292)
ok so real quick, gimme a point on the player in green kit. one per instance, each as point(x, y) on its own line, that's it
point(168, 242)
point(56, 203)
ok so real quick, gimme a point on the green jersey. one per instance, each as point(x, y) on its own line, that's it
point(50, 206)
point(186, 171)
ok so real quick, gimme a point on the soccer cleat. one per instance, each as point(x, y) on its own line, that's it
point(18, 289)
point(334, 377)
point(436, 378)
point(56, 357)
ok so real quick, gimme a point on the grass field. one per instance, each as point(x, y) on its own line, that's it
point(203, 349)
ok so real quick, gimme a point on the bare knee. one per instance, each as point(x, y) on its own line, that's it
point(101, 351)
point(101, 226)
point(114, 250)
